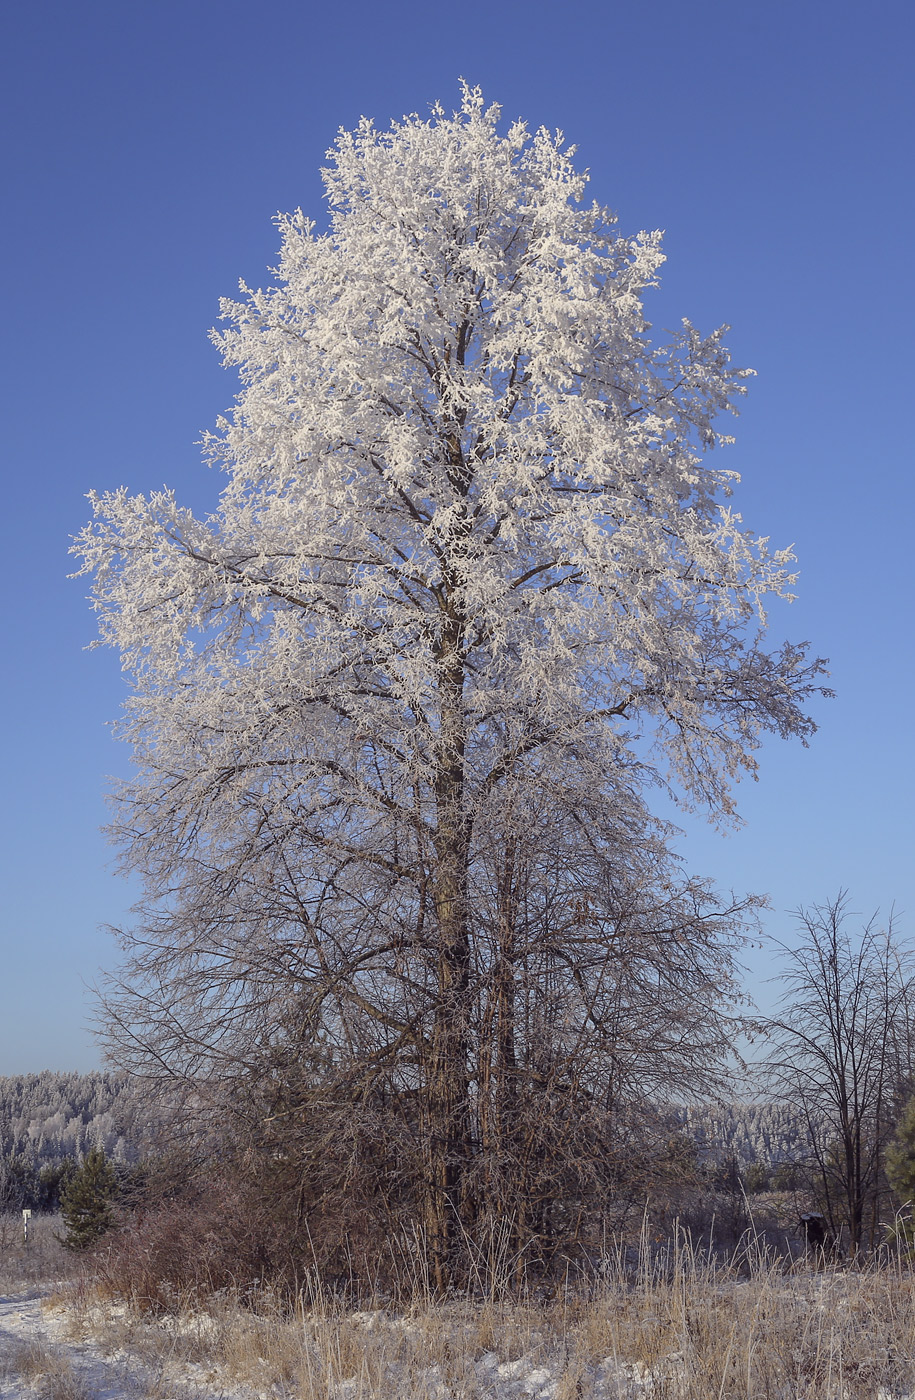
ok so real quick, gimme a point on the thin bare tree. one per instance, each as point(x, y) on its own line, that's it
point(842, 1053)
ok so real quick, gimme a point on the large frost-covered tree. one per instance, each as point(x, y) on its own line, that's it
point(471, 585)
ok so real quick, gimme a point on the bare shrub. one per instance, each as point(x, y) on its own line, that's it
point(843, 1052)
point(207, 1236)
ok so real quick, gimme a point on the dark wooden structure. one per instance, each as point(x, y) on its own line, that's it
point(818, 1234)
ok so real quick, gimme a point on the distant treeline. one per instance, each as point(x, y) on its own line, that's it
point(50, 1121)
point(768, 1135)
point(50, 1116)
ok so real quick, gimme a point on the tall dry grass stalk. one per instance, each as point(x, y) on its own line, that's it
point(677, 1326)
point(47, 1374)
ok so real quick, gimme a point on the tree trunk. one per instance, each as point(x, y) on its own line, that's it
point(501, 1196)
point(508, 1206)
point(447, 1086)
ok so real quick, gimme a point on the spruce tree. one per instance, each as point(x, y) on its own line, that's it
point(86, 1200)
point(900, 1164)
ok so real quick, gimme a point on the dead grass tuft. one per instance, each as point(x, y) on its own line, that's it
point(49, 1375)
point(681, 1328)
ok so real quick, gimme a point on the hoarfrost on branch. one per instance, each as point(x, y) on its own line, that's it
point(472, 585)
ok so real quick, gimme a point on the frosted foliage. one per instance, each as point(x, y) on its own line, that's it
point(45, 1117)
point(469, 519)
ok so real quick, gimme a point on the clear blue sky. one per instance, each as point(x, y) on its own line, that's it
point(148, 146)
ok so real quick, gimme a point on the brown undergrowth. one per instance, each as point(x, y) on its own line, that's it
point(47, 1373)
point(679, 1326)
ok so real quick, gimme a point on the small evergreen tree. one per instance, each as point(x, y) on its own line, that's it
point(788, 1176)
point(53, 1180)
point(86, 1200)
point(756, 1178)
point(900, 1162)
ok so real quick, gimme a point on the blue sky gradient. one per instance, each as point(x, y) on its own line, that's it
point(149, 146)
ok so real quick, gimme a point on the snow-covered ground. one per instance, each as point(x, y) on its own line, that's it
point(46, 1351)
point(59, 1347)
point(40, 1356)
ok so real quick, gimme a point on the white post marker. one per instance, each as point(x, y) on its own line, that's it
point(26, 1217)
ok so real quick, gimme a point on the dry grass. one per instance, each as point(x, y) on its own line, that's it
point(682, 1329)
point(48, 1374)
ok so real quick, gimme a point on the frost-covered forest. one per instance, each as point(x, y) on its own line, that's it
point(48, 1117)
point(51, 1119)
point(765, 1133)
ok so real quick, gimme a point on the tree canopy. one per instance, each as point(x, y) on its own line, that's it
point(472, 588)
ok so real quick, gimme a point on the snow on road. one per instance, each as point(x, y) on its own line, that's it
point(40, 1357)
point(45, 1354)
point(49, 1351)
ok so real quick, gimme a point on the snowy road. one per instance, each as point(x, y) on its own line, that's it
point(45, 1354)
point(40, 1357)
